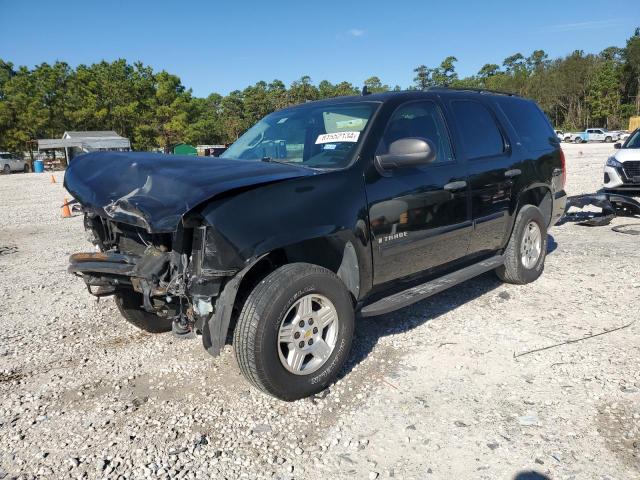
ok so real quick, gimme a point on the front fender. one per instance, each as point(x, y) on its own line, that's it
point(321, 219)
point(311, 219)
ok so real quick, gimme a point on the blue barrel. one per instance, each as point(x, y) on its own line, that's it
point(38, 166)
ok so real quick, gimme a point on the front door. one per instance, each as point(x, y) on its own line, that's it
point(419, 216)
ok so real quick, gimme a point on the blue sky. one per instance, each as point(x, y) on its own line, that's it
point(222, 46)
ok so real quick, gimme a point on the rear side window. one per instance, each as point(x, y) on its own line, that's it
point(529, 122)
point(478, 128)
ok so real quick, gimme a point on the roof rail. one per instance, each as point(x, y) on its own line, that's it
point(478, 90)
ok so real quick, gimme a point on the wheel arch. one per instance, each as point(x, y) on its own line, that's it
point(340, 257)
point(539, 195)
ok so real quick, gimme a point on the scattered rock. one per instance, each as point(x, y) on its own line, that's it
point(528, 420)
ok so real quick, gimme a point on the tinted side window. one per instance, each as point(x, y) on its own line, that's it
point(480, 133)
point(422, 120)
point(529, 122)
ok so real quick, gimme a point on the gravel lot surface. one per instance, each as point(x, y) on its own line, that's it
point(432, 391)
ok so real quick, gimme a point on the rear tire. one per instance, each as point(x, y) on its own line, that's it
point(608, 139)
point(6, 170)
point(130, 305)
point(26, 168)
point(277, 325)
point(520, 265)
point(577, 140)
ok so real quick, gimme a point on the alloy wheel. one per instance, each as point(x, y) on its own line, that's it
point(308, 334)
point(531, 246)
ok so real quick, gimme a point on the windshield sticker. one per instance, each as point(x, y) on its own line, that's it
point(330, 146)
point(338, 137)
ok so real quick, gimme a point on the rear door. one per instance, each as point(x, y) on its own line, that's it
point(491, 168)
point(419, 216)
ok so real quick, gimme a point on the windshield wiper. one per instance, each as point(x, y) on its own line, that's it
point(282, 162)
point(273, 160)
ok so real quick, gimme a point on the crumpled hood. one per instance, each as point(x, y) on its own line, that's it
point(154, 191)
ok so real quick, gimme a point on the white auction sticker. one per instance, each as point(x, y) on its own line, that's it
point(338, 137)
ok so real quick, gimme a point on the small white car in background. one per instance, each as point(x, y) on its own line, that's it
point(10, 163)
point(562, 136)
point(622, 170)
point(624, 135)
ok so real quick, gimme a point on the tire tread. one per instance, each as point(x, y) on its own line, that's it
point(249, 322)
point(510, 271)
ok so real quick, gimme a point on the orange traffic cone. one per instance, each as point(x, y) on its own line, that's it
point(66, 213)
point(53, 179)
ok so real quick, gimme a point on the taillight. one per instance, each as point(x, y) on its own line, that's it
point(564, 169)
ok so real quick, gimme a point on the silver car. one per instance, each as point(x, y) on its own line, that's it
point(622, 170)
point(10, 163)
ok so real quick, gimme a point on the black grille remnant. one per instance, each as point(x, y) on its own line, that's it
point(632, 168)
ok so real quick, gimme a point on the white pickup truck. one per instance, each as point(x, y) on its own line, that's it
point(595, 135)
point(10, 163)
point(563, 136)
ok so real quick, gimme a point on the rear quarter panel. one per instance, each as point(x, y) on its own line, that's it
point(539, 161)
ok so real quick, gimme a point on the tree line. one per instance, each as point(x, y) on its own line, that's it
point(155, 110)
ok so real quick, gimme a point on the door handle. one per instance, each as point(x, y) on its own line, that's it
point(455, 185)
point(512, 173)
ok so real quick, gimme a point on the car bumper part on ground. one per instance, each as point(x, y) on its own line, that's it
point(610, 204)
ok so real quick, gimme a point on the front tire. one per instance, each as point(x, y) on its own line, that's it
point(527, 249)
point(130, 305)
point(294, 331)
point(6, 170)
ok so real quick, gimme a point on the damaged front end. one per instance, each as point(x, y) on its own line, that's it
point(174, 273)
point(141, 211)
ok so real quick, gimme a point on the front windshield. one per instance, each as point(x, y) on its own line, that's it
point(633, 141)
point(311, 136)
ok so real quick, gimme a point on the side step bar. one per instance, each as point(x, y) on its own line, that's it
point(420, 292)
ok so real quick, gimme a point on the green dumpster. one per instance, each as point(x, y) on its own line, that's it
point(184, 149)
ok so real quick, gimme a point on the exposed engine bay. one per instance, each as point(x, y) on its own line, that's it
point(168, 270)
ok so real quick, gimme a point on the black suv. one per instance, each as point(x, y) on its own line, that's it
point(318, 212)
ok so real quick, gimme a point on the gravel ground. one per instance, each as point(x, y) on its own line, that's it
point(432, 391)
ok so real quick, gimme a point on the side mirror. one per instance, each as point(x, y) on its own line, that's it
point(408, 152)
point(617, 145)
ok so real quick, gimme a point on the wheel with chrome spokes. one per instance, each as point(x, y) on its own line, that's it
point(294, 331)
point(308, 334)
point(531, 245)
